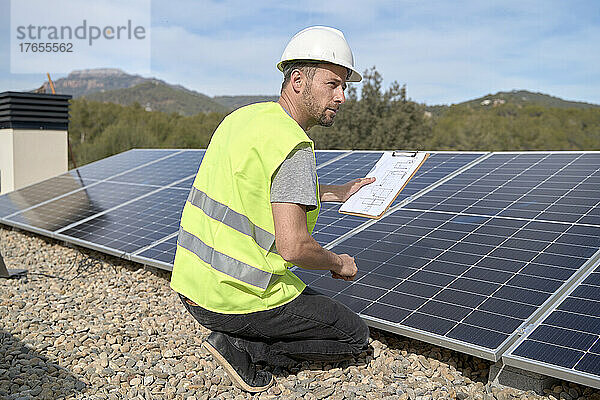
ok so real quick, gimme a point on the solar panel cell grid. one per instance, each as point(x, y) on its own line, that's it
point(435, 168)
point(79, 205)
point(477, 336)
point(507, 307)
point(163, 252)
point(121, 162)
point(569, 337)
point(135, 225)
point(529, 186)
point(352, 166)
point(185, 184)
point(325, 156)
point(40, 192)
point(463, 262)
point(166, 171)
point(331, 224)
point(590, 363)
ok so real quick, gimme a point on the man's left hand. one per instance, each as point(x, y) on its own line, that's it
point(348, 189)
point(343, 192)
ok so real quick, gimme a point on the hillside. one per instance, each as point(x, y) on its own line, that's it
point(518, 98)
point(84, 82)
point(158, 96)
point(111, 85)
point(525, 98)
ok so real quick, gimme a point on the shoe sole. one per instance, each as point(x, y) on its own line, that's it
point(232, 372)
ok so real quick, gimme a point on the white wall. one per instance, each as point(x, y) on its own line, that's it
point(7, 182)
point(35, 155)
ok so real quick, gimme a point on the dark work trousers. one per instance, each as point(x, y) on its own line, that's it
point(311, 327)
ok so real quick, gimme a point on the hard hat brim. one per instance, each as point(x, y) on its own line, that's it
point(354, 75)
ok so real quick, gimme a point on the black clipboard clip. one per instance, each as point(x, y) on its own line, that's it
point(400, 153)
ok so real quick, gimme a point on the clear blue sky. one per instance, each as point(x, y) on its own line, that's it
point(444, 51)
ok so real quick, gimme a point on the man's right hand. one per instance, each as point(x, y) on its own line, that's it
point(347, 271)
point(295, 244)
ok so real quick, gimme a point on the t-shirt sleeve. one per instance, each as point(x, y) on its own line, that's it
point(295, 180)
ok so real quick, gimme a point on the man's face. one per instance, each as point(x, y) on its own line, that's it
point(323, 95)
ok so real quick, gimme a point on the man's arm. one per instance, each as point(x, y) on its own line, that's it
point(341, 193)
point(297, 246)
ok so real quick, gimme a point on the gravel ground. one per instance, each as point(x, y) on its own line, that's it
point(111, 329)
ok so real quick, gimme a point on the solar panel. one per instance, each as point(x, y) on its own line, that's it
point(354, 165)
point(74, 207)
point(135, 225)
point(538, 186)
point(164, 172)
point(107, 167)
point(566, 343)
point(437, 167)
point(186, 183)
point(325, 156)
point(472, 281)
point(77, 179)
point(41, 192)
point(160, 254)
point(331, 224)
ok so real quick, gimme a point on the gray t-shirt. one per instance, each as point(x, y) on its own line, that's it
point(295, 180)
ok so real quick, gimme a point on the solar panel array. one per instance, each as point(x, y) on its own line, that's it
point(117, 205)
point(493, 254)
point(566, 342)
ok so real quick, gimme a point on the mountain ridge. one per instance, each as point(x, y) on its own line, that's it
point(116, 86)
point(157, 96)
point(112, 85)
point(523, 97)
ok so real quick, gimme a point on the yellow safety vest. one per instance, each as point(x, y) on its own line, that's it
point(226, 260)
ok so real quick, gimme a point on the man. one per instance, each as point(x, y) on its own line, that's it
point(248, 219)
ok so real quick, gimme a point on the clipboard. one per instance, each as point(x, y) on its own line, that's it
point(393, 171)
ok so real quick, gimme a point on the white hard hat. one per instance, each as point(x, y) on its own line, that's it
point(321, 43)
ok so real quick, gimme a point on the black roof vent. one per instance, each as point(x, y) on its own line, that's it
point(19, 110)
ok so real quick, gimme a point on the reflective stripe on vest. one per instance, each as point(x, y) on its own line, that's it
point(225, 264)
point(232, 219)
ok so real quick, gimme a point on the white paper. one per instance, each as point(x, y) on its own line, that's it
point(391, 173)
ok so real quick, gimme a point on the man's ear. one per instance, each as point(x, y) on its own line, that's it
point(297, 79)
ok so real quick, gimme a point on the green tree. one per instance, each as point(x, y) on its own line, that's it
point(377, 120)
point(516, 127)
point(98, 130)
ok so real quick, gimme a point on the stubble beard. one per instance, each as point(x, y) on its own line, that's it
point(319, 115)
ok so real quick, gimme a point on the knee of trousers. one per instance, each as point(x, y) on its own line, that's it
point(361, 336)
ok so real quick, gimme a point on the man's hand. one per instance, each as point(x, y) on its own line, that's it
point(295, 244)
point(343, 192)
point(348, 189)
point(347, 271)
